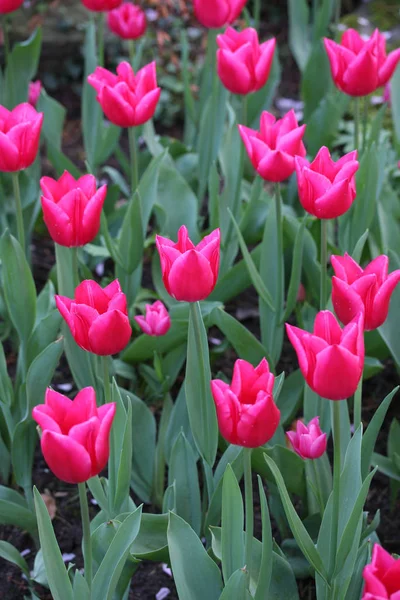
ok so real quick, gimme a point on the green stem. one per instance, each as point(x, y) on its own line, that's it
point(335, 412)
point(279, 252)
point(87, 544)
point(29, 497)
point(134, 159)
point(356, 123)
point(4, 26)
point(358, 405)
point(248, 493)
point(257, 14)
point(365, 122)
point(338, 12)
point(106, 379)
point(318, 486)
point(100, 38)
point(75, 266)
point(315, 8)
point(18, 210)
point(131, 47)
point(324, 260)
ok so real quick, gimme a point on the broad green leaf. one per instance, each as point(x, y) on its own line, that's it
point(386, 466)
point(6, 386)
point(295, 277)
point(316, 80)
point(323, 124)
point(265, 573)
point(124, 461)
point(143, 448)
point(232, 524)
point(299, 40)
point(14, 510)
point(131, 240)
point(12, 555)
point(236, 587)
point(395, 103)
point(236, 280)
point(151, 542)
point(81, 588)
point(388, 330)
point(54, 117)
point(290, 396)
point(290, 465)
point(21, 68)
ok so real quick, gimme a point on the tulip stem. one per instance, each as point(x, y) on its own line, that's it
point(337, 467)
point(18, 211)
point(324, 260)
point(257, 13)
point(318, 486)
point(6, 39)
point(87, 544)
point(248, 492)
point(279, 233)
point(131, 48)
point(358, 405)
point(356, 123)
point(100, 38)
point(106, 379)
point(134, 159)
point(365, 123)
point(75, 266)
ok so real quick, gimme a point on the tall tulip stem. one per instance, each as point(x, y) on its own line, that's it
point(279, 249)
point(358, 405)
point(100, 38)
point(106, 379)
point(87, 544)
point(131, 48)
point(356, 123)
point(134, 159)
point(75, 266)
point(257, 14)
point(18, 210)
point(335, 413)
point(365, 122)
point(324, 260)
point(248, 492)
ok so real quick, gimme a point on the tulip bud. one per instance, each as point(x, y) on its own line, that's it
point(35, 87)
point(382, 576)
point(217, 13)
point(75, 434)
point(19, 137)
point(308, 441)
point(128, 21)
point(8, 6)
point(157, 321)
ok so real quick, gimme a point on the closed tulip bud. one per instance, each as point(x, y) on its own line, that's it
point(331, 359)
point(35, 87)
point(308, 441)
point(128, 100)
point(189, 272)
point(101, 5)
point(157, 320)
point(72, 208)
point(19, 137)
point(97, 318)
point(128, 21)
point(272, 149)
point(8, 6)
point(361, 66)
point(369, 290)
point(217, 13)
point(243, 63)
point(327, 188)
point(382, 576)
point(75, 434)
point(246, 411)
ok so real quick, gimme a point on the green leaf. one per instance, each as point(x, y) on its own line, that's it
point(10, 553)
point(236, 587)
point(6, 386)
point(290, 465)
point(22, 66)
point(295, 276)
point(124, 448)
point(81, 588)
point(323, 124)
point(151, 542)
point(54, 117)
point(265, 573)
point(196, 575)
point(299, 40)
point(395, 104)
point(106, 579)
point(316, 80)
point(386, 466)
point(232, 525)
point(143, 448)
point(59, 583)
point(131, 240)
point(199, 400)
point(14, 510)
point(290, 396)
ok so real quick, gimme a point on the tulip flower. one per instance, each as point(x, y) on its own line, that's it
point(272, 149)
point(19, 137)
point(331, 359)
point(382, 576)
point(74, 434)
point(243, 63)
point(101, 5)
point(157, 320)
point(72, 208)
point(127, 100)
point(189, 272)
point(327, 188)
point(35, 87)
point(128, 21)
point(355, 289)
point(360, 66)
point(8, 6)
point(97, 318)
point(246, 411)
point(308, 441)
point(217, 13)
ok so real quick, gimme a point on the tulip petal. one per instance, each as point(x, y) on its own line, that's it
point(90, 293)
point(327, 327)
point(9, 154)
point(234, 73)
point(68, 460)
point(346, 302)
point(346, 268)
point(335, 202)
point(276, 166)
point(109, 333)
point(102, 446)
point(45, 417)
point(361, 76)
point(57, 222)
point(146, 107)
point(191, 278)
point(331, 361)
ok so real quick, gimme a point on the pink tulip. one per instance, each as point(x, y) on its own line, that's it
point(327, 188)
point(101, 5)
point(308, 441)
point(19, 137)
point(331, 359)
point(157, 320)
point(128, 21)
point(217, 13)
point(243, 63)
point(359, 67)
point(189, 272)
point(7, 6)
point(246, 411)
point(128, 100)
point(35, 87)
point(272, 149)
point(75, 434)
point(97, 318)
point(382, 576)
point(355, 289)
point(72, 208)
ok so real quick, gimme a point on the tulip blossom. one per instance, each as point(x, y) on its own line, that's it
point(128, 100)
point(308, 441)
point(361, 66)
point(189, 272)
point(74, 434)
point(246, 411)
point(355, 289)
point(7, 6)
point(272, 149)
point(101, 5)
point(35, 87)
point(72, 208)
point(97, 318)
point(128, 21)
point(243, 63)
point(327, 188)
point(217, 13)
point(157, 320)
point(331, 359)
point(19, 137)
point(382, 576)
